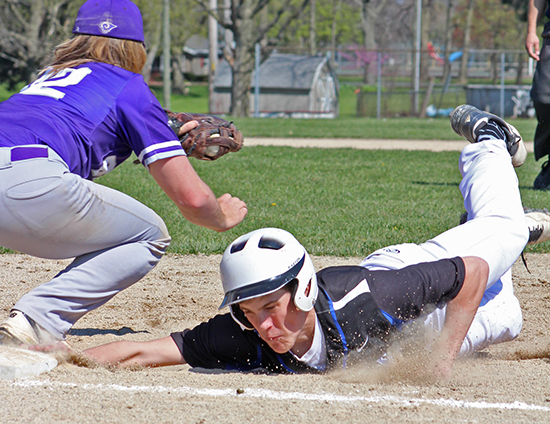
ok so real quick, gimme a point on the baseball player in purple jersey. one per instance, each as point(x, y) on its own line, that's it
point(284, 317)
point(89, 110)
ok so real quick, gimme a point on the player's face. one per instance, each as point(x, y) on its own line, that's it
point(278, 322)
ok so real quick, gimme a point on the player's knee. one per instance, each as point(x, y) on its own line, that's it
point(158, 237)
point(157, 231)
point(163, 232)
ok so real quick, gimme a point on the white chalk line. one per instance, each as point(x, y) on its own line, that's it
point(278, 395)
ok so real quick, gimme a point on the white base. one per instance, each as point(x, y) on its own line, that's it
point(17, 363)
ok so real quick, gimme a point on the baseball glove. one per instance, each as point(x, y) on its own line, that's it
point(211, 139)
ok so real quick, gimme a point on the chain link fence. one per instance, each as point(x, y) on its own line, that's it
point(390, 84)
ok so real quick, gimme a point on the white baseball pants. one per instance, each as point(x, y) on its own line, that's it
point(496, 231)
point(50, 213)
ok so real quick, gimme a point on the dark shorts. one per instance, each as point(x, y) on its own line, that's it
point(412, 291)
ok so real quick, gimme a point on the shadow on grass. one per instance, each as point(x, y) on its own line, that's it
point(431, 183)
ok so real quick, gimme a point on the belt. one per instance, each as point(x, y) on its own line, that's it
point(28, 152)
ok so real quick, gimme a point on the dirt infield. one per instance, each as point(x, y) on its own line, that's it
point(508, 382)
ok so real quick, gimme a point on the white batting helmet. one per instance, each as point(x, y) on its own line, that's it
point(261, 262)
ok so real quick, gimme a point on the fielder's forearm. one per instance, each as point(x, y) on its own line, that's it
point(194, 198)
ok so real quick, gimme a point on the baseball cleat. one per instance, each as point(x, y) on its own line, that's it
point(538, 221)
point(19, 330)
point(467, 121)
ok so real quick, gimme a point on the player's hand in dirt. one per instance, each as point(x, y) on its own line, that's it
point(441, 370)
point(61, 346)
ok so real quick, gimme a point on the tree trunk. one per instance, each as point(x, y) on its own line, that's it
point(448, 39)
point(152, 51)
point(178, 79)
point(463, 77)
point(38, 13)
point(336, 6)
point(425, 59)
point(448, 45)
point(367, 20)
point(312, 32)
point(244, 61)
point(495, 68)
point(521, 69)
point(28, 32)
point(228, 34)
point(247, 33)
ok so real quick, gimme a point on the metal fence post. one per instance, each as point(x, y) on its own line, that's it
point(378, 83)
point(502, 72)
point(257, 82)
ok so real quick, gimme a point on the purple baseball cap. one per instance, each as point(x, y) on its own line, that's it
point(110, 18)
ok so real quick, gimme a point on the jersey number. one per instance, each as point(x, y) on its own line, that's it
point(43, 85)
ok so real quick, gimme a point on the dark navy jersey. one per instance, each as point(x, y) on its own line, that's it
point(357, 309)
point(94, 116)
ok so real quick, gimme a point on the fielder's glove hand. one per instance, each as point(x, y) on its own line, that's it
point(210, 140)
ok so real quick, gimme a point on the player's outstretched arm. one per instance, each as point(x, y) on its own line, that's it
point(460, 314)
point(154, 353)
point(194, 198)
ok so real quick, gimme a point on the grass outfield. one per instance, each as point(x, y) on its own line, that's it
point(340, 202)
point(350, 127)
point(347, 125)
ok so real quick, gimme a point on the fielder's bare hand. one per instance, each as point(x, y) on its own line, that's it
point(233, 208)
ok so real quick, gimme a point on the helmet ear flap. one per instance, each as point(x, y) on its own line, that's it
point(307, 289)
point(239, 316)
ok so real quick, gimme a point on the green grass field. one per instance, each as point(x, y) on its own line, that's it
point(340, 202)
point(347, 125)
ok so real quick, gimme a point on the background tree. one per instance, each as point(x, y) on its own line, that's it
point(187, 18)
point(152, 29)
point(449, 27)
point(495, 27)
point(425, 59)
point(370, 13)
point(520, 7)
point(249, 28)
point(28, 32)
point(30, 29)
point(463, 76)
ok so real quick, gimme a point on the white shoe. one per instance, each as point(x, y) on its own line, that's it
point(19, 330)
point(538, 221)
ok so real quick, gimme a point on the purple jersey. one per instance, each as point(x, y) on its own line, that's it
point(94, 116)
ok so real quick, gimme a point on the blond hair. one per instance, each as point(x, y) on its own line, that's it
point(126, 54)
